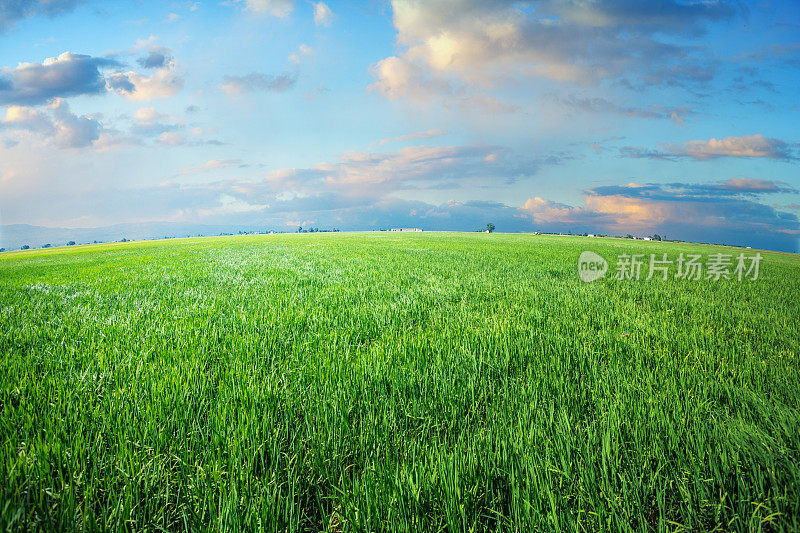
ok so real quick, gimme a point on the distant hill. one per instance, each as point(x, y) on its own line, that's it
point(14, 236)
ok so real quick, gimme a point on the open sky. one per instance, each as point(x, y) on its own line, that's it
point(604, 116)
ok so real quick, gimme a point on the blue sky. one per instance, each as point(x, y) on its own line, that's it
point(606, 116)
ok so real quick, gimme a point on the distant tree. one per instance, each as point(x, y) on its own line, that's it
point(656, 237)
point(629, 236)
point(490, 227)
point(71, 243)
point(299, 229)
point(123, 240)
point(2, 249)
point(25, 247)
point(48, 245)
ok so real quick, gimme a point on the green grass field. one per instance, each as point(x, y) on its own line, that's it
point(427, 382)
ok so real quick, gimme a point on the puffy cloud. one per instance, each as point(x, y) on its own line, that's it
point(26, 118)
point(399, 78)
point(483, 41)
point(274, 8)
point(13, 10)
point(750, 146)
point(134, 86)
point(302, 50)
point(163, 83)
point(717, 212)
point(549, 211)
point(157, 57)
point(73, 131)
point(56, 77)
point(257, 81)
point(323, 16)
point(59, 127)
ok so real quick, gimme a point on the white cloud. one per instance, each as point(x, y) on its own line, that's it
point(211, 164)
point(229, 205)
point(73, 131)
point(751, 146)
point(257, 81)
point(400, 78)
point(57, 127)
point(449, 46)
point(274, 8)
point(163, 83)
point(148, 121)
point(302, 50)
point(747, 146)
point(26, 118)
point(169, 138)
point(12, 11)
point(323, 16)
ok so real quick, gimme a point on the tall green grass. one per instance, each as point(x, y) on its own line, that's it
point(354, 382)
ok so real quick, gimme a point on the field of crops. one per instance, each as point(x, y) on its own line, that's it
point(401, 382)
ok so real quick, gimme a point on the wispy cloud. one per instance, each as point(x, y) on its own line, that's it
point(749, 146)
point(274, 8)
point(651, 112)
point(211, 164)
point(12, 11)
point(256, 81)
point(413, 136)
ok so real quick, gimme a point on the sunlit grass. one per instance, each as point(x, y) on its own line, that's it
point(393, 382)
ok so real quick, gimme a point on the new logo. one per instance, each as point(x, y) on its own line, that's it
point(591, 266)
